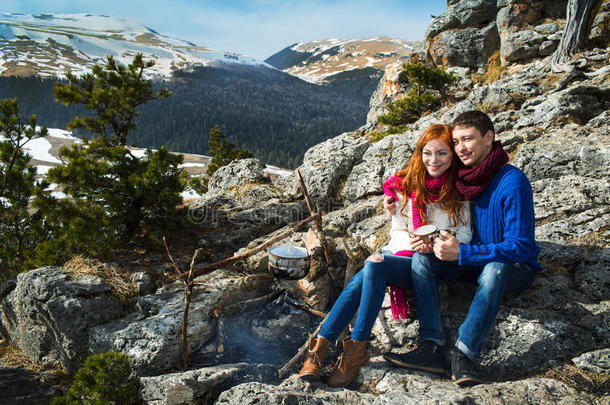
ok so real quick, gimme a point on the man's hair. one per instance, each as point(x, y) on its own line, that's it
point(476, 119)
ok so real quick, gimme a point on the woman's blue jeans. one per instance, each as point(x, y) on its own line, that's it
point(365, 293)
point(495, 280)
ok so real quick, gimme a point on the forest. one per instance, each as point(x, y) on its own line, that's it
point(270, 113)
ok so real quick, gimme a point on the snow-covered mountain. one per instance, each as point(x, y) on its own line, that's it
point(51, 44)
point(318, 61)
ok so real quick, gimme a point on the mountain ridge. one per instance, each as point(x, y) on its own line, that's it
point(50, 44)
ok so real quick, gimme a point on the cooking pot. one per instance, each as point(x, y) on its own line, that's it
point(286, 261)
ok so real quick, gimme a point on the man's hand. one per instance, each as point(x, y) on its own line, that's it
point(447, 247)
point(389, 204)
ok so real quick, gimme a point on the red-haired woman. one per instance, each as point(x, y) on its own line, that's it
point(422, 193)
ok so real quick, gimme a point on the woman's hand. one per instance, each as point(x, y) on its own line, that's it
point(389, 204)
point(418, 245)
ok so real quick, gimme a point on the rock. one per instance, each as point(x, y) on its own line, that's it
point(229, 219)
point(50, 313)
point(468, 47)
point(564, 155)
point(387, 90)
point(462, 14)
point(238, 172)
point(400, 386)
point(326, 165)
point(316, 292)
point(152, 335)
point(520, 46)
point(597, 361)
point(189, 387)
point(577, 104)
point(144, 282)
point(381, 160)
point(23, 387)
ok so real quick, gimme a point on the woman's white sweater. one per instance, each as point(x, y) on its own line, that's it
point(400, 238)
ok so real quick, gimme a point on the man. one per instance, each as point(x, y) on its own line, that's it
point(502, 256)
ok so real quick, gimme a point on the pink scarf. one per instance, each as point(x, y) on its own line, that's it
point(399, 301)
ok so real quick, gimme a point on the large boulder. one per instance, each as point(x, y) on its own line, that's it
point(326, 165)
point(381, 160)
point(240, 205)
point(189, 387)
point(238, 172)
point(50, 312)
point(468, 47)
point(151, 336)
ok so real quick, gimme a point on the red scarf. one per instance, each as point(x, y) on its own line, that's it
point(399, 301)
point(472, 181)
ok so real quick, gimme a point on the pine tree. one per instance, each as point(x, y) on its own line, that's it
point(18, 228)
point(136, 193)
point(112, 93)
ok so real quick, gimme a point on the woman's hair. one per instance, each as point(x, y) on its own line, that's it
point(414, 176)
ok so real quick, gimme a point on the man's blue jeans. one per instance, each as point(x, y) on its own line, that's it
point(365, 293)
point(495, 280)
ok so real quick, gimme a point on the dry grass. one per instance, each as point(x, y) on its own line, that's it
point(582, 380)
point(11, 356)
point(118, 279)
point(495, 70)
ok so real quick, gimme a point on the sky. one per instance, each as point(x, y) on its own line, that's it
point(257, 28)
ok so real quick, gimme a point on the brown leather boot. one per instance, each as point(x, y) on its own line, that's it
point(316, 351)
point(354, 355)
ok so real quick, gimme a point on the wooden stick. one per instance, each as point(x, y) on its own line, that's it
point(188, 284)
point(294, 360)
point(171, 259)
point(233, 259)
point(317, 213)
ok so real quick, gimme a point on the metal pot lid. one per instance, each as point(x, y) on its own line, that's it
point(287, 251)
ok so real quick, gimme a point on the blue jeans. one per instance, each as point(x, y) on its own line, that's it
point(495, 280)
point(365, 293)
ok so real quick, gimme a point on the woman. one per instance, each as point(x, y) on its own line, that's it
point(423, 193)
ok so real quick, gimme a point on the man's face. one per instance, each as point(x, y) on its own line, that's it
point(470, 146)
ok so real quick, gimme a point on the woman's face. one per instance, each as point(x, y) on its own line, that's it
point(436, 156)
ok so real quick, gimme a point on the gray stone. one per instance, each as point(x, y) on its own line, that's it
point(50, 313)
point(238, 172)
point(189, 387)
point(548, 28)
point(380, 161)
point(597, 361)
point(554, 157)
point(578, 104)
point(152, 335)
point(326, 165)
point(520, 46)
point(387, 90)
point(468, 47)
point(144, 282)
point(19, 386)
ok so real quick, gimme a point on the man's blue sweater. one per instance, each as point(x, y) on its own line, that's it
point(503, 216)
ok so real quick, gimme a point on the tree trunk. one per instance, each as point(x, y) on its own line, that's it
point(579, 17)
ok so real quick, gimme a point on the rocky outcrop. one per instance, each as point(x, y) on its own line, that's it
point(195, 386)
point(151, 335)
point(394, 386)
point(468, 33)
point(50, 312)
